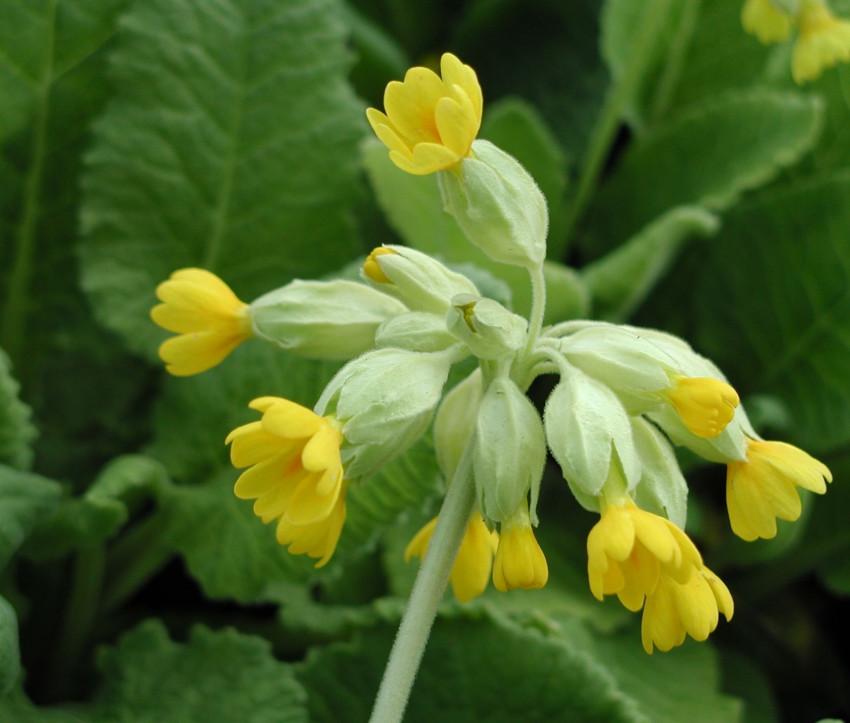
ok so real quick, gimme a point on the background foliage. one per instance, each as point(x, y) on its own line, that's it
point(692, 187)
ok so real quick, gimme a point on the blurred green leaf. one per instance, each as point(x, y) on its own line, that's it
point(215, 676)
point(24, 499)
point(232, 132)
point(708, 154)
point(622, 279)
point(10, 654)
point(772, 304)
point(476, 667)
point(16, 430)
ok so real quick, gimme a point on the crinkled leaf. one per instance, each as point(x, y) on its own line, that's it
point(102, 510)
point(476, 667)
point(232, 136)
point(16, 430)
point(621, 280)
point(24, 499)
point(217, 675)
point(772, 304)
point(707, 154)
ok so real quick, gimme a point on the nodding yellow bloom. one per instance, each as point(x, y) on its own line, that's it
point(430, 122)
point(675, 609)
point(705, 405)
point(471, 569)
point(766, 22)
point(630, 550)
point(823, 41)
point(763, 487)
point(519, 560)
point(210, 320)
point(295, 474)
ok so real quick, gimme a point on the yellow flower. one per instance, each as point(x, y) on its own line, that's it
point(763, 487)
point(823, 41)
point(705, 405)
point(430, 122)
point(295, 474)
point(766, 22)
point(209, 318)
point(471, 569)
point(630, 550)
point(674, 609)
point(519, 560)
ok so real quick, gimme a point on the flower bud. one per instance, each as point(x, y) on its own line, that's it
point(586, 424)
point(384, 401)
point(455, 422)
point(485, 326)
point(509, 451)
point(498, 206)
point(416, 279)
point(415, 331)
point(323, 319)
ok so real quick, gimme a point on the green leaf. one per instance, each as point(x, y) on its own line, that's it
point(104, 508)
point(516, 127)
point(708, 154)
point(10, 654)
point(773, 308)
point(16, 431)
point(833, 151)
point(219, 675)
point(622, 279)
point(24, 499)
point(232, 132)
point(476, 667)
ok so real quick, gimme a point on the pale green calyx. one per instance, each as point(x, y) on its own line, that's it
point(662, 488)
point(508, 452)
point(589, 431)
point(384, 401)
point(455, 422)
point(323, 319)
point(419, 281)
point(487, 328)
point(415, 331)
point(498, 206)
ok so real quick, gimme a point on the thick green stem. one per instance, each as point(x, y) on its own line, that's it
point(80, 614)
point(427, 593)
point(136, 557)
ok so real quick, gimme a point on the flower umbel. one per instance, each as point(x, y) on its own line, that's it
point(471, 569)
point(823, 41)
point(763, 487)
point(295, 475)
point(430, 122)
point(210, 320)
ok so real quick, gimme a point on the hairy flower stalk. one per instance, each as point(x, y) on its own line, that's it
point(621, 399)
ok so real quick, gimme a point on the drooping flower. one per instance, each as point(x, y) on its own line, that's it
point(209, 318)
point(675, 609)
point(430, 122)
point(764, 20)
point(295, 474)
point(629, 550)
point(519, 560)
point(705, 405)
point(763, 487)
point(471, 569)
point(823, 41)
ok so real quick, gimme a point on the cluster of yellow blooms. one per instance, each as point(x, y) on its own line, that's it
point(822, 39)
point(403, 328)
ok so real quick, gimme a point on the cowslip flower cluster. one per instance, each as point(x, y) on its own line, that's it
point(624, 395)
point(823, 40)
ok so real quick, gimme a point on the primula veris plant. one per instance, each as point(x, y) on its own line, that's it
point(823, 40)
point(623, 396)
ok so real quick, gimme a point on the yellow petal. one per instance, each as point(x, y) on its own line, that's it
point(455, 73)
point(419, 544)
point(427, 158)
point(290, 420)
point(190, 354)
point(410, 105)
point(250, 444)
point(456, 123)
